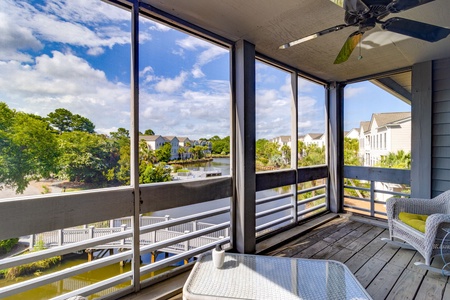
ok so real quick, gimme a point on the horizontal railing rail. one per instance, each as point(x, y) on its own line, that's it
point(186, 237)
point(373, 203)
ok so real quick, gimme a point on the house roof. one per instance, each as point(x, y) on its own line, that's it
point(285, 138)
point(170, 138)
point(268, 24)
point(315, 136)
point(365, 125)
point(384, 119)
point(149, 138)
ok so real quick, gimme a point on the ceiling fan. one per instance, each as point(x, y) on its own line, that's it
point(365, 14)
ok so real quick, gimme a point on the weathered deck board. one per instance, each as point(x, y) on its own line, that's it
point(386, 272)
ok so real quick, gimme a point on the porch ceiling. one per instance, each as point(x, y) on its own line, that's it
point(269, 24)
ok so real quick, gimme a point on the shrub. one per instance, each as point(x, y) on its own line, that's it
point(7, 245)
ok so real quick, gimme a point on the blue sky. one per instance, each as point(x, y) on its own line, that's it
point(76, 55)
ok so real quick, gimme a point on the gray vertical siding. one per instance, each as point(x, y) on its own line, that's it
point(441, 127)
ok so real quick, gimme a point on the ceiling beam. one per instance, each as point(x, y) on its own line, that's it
point(391, 86)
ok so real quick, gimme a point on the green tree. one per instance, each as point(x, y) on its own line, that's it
point(154, 173)
point(120, 154)
point(351, 149)
point(28, 149)
point(149, 132)
point(312, 155)
point(266, 151)
point(398, 160)
point(164, 153)
point(65, 121)
point(181, 152)
point(85, 157)
point(286, 152)
point(220, 146)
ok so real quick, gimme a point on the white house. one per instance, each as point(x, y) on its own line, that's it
point(282, 141)
point(314, 138)
point(352, 134)
point(186, 143)
point(153, 141)
point(173, 140)
point(386, 132)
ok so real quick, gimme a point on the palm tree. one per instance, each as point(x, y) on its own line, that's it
point(181, 152)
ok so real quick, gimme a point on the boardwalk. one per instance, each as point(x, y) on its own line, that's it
point(73, 235)
point(385, 272)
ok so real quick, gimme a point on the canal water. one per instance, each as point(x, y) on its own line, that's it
point(91, 277)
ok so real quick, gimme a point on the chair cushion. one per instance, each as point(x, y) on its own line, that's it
point(414, 220)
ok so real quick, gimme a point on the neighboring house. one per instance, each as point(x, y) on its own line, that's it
point(386, 132)
point(282, 141)
point(363, 142)
point(352, 134)
point(173, 140)
point(154, 142)
point(186, 143)
point(314, 138)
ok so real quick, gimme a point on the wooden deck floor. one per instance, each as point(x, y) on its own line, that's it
point(385, 272)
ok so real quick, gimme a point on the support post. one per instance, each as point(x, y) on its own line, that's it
point(294, 143)
point(421, 130)
point(134, 139)
point(335, 117)
point(244, 117)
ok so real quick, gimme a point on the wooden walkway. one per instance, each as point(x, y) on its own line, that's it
point(386, 272)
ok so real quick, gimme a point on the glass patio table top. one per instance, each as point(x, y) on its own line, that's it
point(245, 276)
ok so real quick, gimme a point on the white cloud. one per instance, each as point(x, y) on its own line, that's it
point(209, 53)
point(70, 22)
point(152, 25)
point(147, 74)
point(13, 38)
point(350, 92)
point(64, 80)
point(170, 85)
point(194, 113)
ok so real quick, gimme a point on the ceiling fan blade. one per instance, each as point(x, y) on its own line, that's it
point(313, 36)
point(352, 6)
point(401, 5)
point(349, 45)
point(338, 2)
point(418, 30)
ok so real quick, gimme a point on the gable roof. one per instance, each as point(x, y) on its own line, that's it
point(149, 138)
point(384, 119)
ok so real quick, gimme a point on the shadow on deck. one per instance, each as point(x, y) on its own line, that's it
point(385, 271)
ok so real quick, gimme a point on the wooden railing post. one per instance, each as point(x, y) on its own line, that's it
point(154, 236)
point(91, 232)
point(372, 198)
point(124, 227)
point(60, 237)
point(186, 243)
point(32, 241)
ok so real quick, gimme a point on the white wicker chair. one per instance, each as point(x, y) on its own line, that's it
point(428, 244)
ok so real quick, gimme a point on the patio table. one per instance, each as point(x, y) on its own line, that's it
point(245, 276)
